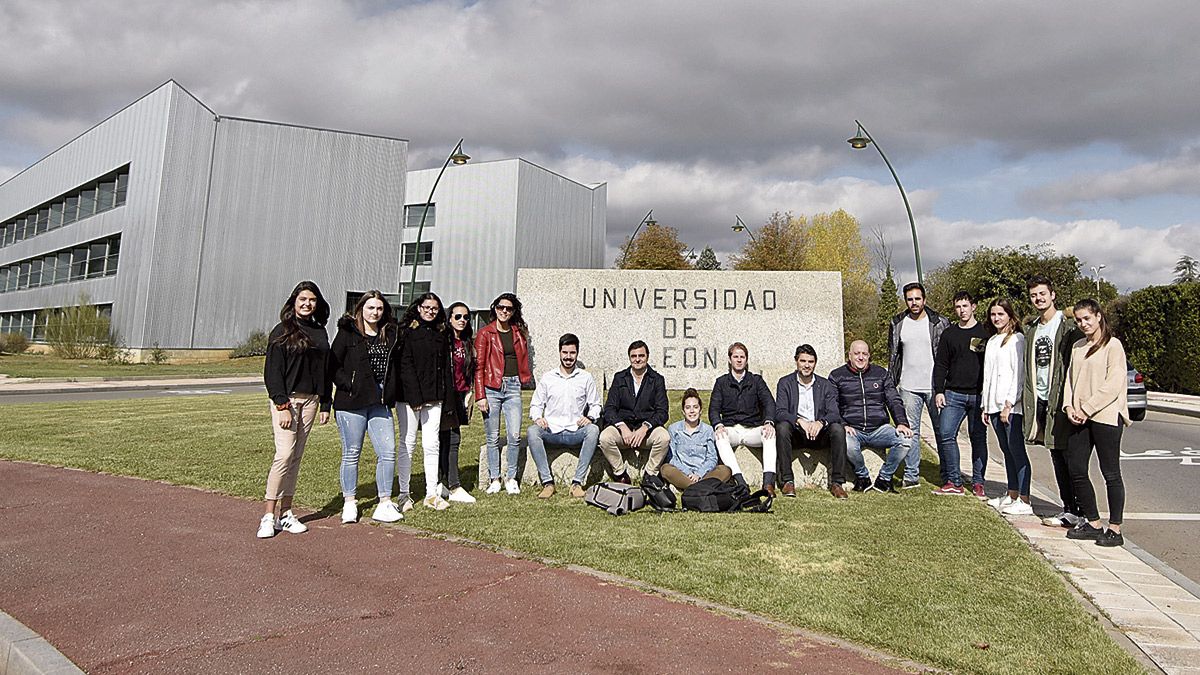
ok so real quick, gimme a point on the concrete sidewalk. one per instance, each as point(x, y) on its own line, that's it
point(1180, 404)
point(1159, 616)
point(14, 386)
point(133, 576)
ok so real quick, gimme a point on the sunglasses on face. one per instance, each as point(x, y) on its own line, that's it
point(458, 317)
point(504, 308)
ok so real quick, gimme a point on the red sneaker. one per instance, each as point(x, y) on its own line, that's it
point(949, 489)
point(979, 491)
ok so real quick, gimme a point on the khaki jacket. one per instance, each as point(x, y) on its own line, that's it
point(1098, 385)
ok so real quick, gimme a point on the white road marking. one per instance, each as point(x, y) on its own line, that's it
point(199, 392)
point(1163, 516)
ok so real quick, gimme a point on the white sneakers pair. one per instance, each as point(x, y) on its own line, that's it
point(386, 512)
point(436, 502)
point(268, 526)
point(511, 486)
point(458, 494)
point(1010, 507)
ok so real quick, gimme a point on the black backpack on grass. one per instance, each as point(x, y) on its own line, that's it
point(711, 495)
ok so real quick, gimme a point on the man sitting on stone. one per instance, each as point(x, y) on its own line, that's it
point(742, 412)
point(807, 415)
point(866, 394)
point(634, 415)
point(564, 410)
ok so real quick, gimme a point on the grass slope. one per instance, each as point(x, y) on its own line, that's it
point(930, 578)
point(46, 365)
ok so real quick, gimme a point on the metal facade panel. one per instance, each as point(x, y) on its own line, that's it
point(135, 135)
point(474, 243)
point(555, 217)
point(289, 203)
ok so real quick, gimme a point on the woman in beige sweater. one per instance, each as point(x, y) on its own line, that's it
point(1095, 401)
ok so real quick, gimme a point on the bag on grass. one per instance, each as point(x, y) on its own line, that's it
point(711, 495)
point(658, 493)
point(616, 498)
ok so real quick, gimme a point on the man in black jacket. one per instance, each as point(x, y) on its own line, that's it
point(806, 414)
point(635, 414)
point(866, 394)
point(913, 340)
point(742, 412)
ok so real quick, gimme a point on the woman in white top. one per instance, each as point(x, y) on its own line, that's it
point(1003, 378)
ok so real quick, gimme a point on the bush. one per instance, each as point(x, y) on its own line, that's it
point(1160, 327)
point(158, 355)
point(13, 343)
point(254, 345)
point(81, 332)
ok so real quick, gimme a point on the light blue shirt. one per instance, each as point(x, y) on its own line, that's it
point(695, 452)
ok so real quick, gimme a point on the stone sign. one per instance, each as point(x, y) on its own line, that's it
point(688, 318)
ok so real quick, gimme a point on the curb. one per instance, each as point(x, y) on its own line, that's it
point(24, 651)
point(1173, 408)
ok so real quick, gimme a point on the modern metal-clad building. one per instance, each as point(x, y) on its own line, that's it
point(190, 228)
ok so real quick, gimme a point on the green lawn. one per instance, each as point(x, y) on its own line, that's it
point(929, 578)
point(46, 365)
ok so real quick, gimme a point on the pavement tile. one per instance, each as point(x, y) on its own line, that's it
point(1174, 606)
point(1182, 671)
point(1109, 601)
point(1107, 587)
point(1166, 637)
point(1135, 567)
point(1111, 553)
point(1172, 658)
point(1161, 591)
point(1093, 575)
point(1133, 618)
point(1188, 621)
point(1074, 564)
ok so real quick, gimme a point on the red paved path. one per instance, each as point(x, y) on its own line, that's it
point(124, 575)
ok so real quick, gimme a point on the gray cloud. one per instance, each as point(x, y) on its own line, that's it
point(1178, 175)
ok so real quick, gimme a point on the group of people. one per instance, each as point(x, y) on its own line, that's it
point(1058, 380)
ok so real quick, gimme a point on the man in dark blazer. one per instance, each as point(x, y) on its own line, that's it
point(807, 415)
point(635, 415)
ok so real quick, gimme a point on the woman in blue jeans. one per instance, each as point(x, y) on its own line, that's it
point(502, 367)
point(1003, 380)
point(360, 360)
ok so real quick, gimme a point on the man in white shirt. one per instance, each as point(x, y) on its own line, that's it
point(564, 410)
point(913, 342)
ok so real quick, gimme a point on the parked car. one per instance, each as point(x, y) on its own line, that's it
point(1137, 395)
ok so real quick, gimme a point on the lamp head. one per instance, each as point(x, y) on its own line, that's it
point(737, 227)
point(859, 141)
point(459, 157)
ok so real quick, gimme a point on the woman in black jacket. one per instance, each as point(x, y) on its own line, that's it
point(360, 360)
point(456, 411)
point(423, 363)
point(295, 374)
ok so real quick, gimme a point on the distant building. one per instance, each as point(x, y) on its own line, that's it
point(189, 228)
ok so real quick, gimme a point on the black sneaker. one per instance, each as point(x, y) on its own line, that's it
point(1084, 530)
point(1108, 538)
point(910, 484)
point(883, 485)
point(862, 484)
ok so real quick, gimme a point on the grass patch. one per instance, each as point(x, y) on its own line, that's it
point(47, 365)
point(925, 577)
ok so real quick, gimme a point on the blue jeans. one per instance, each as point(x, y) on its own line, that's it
point(506, 402)
point(958, 406)
point(585, 439)
point(879, 437)
point(352, 426)
point(1011, 437)
point(914, 402)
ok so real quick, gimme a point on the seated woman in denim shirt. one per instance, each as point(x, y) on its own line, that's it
point(693, 452)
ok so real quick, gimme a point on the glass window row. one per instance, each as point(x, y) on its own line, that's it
point(104, 193)
point(84, 261)
point(409, 251)
point(413, 212)
point(32, 323)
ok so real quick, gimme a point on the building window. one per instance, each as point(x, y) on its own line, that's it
point(412, 215)
point(97, 196)
point(86, 261)
point(423, 256)
point(407, 295)
point(32, 323)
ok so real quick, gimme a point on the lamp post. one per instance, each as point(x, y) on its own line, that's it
point(1096, 275)
point(739, 225)
point(648, 220)
point(459, 158)
point(861, 140)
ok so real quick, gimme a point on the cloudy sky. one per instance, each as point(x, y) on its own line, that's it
point(1072, 123)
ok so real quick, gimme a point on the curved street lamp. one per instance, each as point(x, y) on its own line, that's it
point(861, 140)
point(1096, 275)
point(739, 225)
point(459, 158)
point(648, 220)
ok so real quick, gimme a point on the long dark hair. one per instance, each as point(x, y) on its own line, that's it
point(516, 320)
point(412, 316)
point(293, 338)
point(386, 320)
point(467, 335)
point(1014, 319)
point(1106, 333)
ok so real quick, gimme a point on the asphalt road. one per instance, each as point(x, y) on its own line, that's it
point(1160, 465)
point(190, 390)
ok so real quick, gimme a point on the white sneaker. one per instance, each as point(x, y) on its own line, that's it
point(350, 511)
point(442, 491)
point(512, 487)
point(1017, 508)
point(493, 487)
point(436, 503)
point(386, 512)
point(461, 496)
point(407, 505)
point(1000, 502)
point(290, 523)
point(1061, 519)
point(266, 526)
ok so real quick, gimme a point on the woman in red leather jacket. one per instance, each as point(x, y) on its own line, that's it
point(502, 358)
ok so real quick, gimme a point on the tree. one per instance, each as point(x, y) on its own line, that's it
point(1187, 270)
point(887, 307)
point(989, 273)
point(708, 260)
point(778, 245)
point(656, 247)
point(1160, 328)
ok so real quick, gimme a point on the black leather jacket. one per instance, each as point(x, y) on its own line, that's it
point(937, 324)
